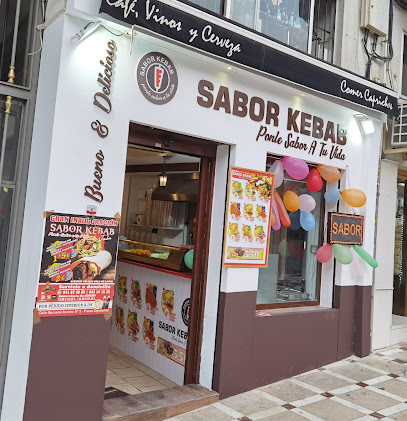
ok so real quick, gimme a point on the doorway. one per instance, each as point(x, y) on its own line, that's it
point(157, 311)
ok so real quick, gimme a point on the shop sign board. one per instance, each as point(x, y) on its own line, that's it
point(78, 265)
point(202, 34)
point(248, 218)
point(345, 229)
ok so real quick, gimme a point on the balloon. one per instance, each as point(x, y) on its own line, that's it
point(277, 224)
point(272, 218)
point(282, 213)
point(295, 220)
point(189, 258)
point(314, 180)
point(296, 168)
point(283, 249)
point(332, 195)
point(342, 254)
point(278, 171)
point(307, 221)
point(324, 253)
point(365, 256)
point(291, 201)
point(296, 249)
point(307, 203)
point(329, 173)
point(354, 197)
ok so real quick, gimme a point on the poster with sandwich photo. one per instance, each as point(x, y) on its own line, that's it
point(78, 265)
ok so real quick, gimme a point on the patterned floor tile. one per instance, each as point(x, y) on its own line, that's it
point(329, 410)
point(323, 381)
point(287, 391)
point(369, 399)
point(248, 403)
point(205, 414)
point(396, 387)
point(356, 372)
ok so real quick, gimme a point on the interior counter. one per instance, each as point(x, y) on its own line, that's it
point(150, 316)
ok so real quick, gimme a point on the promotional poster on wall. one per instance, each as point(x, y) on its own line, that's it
point(249, 207)
point(78, 265)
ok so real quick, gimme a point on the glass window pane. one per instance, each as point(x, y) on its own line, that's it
point(292, 274)
point(404, 75)
point(213, 5)
point(13, 131)
point(286, 20)
point(6, 196)
point(242, 11)
point(25, 32)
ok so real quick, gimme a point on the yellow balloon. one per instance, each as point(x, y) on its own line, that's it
point(354, 197)
point(329, 173)
point(291, 201)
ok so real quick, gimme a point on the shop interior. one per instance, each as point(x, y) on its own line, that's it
point(153, 278)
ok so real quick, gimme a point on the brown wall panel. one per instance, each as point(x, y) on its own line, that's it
point(67, 371)
point(253, 351)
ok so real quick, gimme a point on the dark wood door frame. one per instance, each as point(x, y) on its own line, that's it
point(206, 150)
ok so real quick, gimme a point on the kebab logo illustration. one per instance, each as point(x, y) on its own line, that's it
point(148, 333)
point(132, 325)
point(167, 304)
point(136, 293)
point(122, 289)
point(157, 78)
point(151, 298)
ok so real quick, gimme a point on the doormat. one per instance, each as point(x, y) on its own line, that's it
point(112, 392)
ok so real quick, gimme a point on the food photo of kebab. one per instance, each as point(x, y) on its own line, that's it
point(87, 268)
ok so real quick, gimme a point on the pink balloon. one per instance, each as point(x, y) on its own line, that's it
point(307, 203)
point(277, 224)
point(324, 253)
point(296, 168)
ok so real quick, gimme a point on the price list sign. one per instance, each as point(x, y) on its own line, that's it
point(78, 265)
point(247, 222)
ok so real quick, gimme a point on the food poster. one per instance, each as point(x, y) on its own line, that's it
point(152, 324)
point(78, 265)
point(247, 222)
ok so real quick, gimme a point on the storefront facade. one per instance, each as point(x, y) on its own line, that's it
point(90, 94)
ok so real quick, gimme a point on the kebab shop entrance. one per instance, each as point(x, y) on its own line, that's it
point(157, 310)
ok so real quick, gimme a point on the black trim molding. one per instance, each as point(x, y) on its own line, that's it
point(190, 30)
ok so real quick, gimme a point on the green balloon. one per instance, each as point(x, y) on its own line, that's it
point(342, 254)
point(366, 256)
point(189, 259)
point(283, 249)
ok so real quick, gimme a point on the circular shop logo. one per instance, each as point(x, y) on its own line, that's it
point(185, 311)
point(157, 78)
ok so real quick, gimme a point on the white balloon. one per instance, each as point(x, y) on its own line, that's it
point(307, 203)
point(278, 171)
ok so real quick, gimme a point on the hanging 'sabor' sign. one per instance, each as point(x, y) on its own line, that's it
point(190, 30)
point(345, 229)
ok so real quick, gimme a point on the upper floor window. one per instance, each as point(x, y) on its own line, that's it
point(307, 25)
point(404, 70)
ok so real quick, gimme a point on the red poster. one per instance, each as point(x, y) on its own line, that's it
point(78, 265)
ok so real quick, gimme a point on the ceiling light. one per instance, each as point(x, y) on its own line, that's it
point(229, 68)
point(303, 94)
point(162, 178)
point(85, 32)
point(366, 125)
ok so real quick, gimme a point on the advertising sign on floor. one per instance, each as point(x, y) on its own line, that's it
point(78, 265)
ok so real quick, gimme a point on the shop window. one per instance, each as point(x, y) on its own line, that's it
point(293, 273)
point(212, 5)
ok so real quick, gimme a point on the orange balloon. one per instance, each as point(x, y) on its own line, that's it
point(291, 201)
point(282, 212)
point(272, 218)
point(354, 197)
point(329, 173)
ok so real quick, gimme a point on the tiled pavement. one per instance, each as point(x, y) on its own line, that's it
point(126, 374)
point(362, 389)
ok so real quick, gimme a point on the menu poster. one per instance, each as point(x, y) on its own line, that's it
point(78, 265)
point(247, 222)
